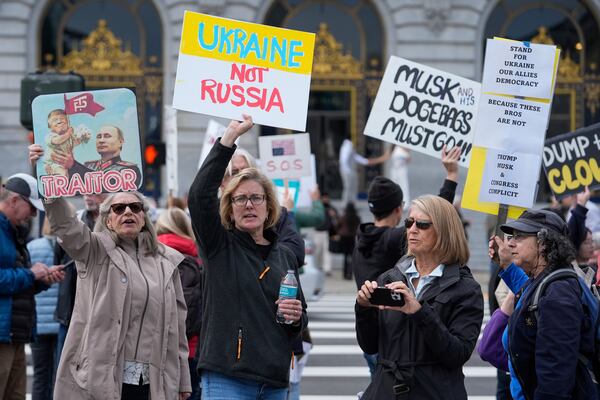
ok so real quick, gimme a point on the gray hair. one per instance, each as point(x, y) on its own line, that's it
point(147, 235)
point(6, 194)
point(250, 160)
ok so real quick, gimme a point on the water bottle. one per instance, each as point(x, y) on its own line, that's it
point(287, 290)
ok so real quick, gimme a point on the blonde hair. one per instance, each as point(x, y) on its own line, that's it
point(147, 234)
point(249, 174)
point(451, 243)
point(174, 220)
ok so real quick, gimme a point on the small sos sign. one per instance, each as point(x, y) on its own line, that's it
point(285, 156)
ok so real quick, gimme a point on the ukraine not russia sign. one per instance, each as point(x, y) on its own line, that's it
point(228, 67)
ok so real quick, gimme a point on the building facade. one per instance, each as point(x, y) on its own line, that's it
point(134, 43)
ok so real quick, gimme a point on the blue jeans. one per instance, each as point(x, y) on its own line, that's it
point(294, 391)
point(216, 386)
point(371, 362)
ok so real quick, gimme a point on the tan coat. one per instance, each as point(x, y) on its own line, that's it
point(91, 365)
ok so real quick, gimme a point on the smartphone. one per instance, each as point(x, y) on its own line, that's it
point(386, 297)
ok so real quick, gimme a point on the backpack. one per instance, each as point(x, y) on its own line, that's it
point(590, 299)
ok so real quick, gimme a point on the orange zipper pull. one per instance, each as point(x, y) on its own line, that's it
point(262, 274)
point(239, 346)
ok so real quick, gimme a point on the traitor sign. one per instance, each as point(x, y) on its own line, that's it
point(423, 109)
point(99, 131)
point(285, 156)
point(571, 161)
point(228, 67)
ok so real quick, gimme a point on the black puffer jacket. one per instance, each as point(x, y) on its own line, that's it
point(423, 353)
point(240, 336)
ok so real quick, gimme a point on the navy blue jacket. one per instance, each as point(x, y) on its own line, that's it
point(13, 279)
point(544, 352)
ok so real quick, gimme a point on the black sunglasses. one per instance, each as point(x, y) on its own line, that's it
point(421, 225)
point(119, 208)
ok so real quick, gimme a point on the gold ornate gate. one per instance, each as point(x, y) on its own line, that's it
point(104, 64)
point(341, 96)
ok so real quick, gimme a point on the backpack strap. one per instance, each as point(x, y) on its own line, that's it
point(539, 291)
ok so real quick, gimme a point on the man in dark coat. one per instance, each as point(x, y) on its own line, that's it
point(19, 281)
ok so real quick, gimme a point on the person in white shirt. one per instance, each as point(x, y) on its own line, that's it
point(348, 160)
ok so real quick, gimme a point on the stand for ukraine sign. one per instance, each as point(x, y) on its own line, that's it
point(514, 108)
point(228, 67)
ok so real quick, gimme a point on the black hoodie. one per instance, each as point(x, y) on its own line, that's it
point(379, 248)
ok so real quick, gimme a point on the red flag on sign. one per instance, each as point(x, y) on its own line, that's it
point(82, 103)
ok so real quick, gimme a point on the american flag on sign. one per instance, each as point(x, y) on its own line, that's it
point(284, 147)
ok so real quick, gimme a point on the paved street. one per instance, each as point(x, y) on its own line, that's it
point(336, 369)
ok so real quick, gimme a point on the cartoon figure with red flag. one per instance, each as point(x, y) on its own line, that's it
point(62, 138)
point(71, 165)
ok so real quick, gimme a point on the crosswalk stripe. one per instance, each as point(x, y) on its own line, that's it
point(330, 325)
point(363, 372)
point(354, 397)
point(329, 309)
point(333, 334)
point(326, 349)
point(331, 317)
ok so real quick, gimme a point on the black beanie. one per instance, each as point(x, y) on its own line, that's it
point(384, 195)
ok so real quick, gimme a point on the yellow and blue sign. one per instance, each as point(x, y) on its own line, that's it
point(228, 67)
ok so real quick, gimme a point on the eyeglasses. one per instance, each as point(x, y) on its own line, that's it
point(421, 225)
point(255, 199)
point(119, 208)
point(518, 236)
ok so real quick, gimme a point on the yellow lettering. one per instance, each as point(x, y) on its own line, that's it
point(557, 188)
point(595, 169)
point(582, 166)
point(571, 184)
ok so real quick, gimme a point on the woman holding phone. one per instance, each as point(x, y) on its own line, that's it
point(423, 344)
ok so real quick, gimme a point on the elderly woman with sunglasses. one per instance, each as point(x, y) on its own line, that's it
point(127, 337)
point(423, 344)
point(244, 352)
